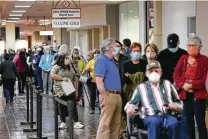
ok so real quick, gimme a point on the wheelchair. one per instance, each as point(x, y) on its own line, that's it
point(136, 130)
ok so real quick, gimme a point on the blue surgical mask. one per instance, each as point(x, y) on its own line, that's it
point(116, 51)
point(173, 50)
point(135, 55)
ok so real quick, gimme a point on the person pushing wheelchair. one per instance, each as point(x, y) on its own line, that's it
point(152, 96)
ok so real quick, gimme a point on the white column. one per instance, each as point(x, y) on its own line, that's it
point(57, 36)
point(142, 21)
point(10, 35)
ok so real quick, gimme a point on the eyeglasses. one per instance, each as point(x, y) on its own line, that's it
point(192, 45)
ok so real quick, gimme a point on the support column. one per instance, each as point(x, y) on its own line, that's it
point(57, 36)
point(158, 23)
point(89, 32)
point(142, 23)
point(95, 38)
point(10, 36)
point(104, 33)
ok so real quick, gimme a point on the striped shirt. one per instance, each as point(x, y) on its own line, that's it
point(153, 98)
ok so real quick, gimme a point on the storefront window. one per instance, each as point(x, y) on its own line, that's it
point(129, 21)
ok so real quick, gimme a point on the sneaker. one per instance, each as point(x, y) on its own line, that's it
point(45, 92)
point(63, 126)
point(92, 112)
point(78, 125)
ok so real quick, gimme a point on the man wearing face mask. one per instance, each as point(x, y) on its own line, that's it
point(109, 85)
point(169, 57)
point(159, 93)
point(46, 66)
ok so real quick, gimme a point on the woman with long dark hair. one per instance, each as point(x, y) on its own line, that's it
point(22, 70)
point(60, 72)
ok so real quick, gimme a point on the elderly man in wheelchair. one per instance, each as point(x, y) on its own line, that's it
point(158, 103)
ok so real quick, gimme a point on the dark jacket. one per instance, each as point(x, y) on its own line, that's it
point(199, 83)
point(120, 64)
point(8, 70)
point(168, 61)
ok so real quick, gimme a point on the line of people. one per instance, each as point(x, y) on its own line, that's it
point(147, 82)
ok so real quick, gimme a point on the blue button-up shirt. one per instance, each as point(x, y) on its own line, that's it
point(106, 68)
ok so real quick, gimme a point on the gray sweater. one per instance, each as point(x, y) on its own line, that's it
point(8, 70)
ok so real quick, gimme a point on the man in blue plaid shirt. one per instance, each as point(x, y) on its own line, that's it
point(152, 95)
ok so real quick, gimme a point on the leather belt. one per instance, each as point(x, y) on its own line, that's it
point(113, 92)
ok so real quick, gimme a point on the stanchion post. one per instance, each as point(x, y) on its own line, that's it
point(27, 105)
point(31, 110)
point(70, 107)
point(55, 118)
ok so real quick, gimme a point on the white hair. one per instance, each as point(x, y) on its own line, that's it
point(195, 39)
point(107, 44)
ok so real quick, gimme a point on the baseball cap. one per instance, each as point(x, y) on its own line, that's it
point(172, 40)
point(154, 64)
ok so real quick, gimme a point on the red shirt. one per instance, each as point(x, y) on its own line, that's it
point(196, 74)
point(21, 66)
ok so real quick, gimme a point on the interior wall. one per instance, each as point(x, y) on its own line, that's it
point(202, 24)
point(79, 38)
point(174, 19)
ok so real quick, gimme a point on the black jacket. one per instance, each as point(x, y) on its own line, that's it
point(8, 70)
point(120, 64)
point(168, 61)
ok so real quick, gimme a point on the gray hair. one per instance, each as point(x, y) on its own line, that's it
point(195, 39)
point(107, 44)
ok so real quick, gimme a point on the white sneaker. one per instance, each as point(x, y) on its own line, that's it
point(78, 125)
point(63, 126)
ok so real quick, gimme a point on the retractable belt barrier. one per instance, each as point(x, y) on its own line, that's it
point(56, 101)
point(29, 117)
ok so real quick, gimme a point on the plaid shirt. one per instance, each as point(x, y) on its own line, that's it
point(152, 99)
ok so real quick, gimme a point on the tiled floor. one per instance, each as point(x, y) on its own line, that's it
point(12, 114)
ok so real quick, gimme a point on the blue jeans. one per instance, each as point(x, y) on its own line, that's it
point(40, 81)
point(183, 127)
point(156, 122)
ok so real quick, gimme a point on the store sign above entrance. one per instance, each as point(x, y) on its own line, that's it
point(65, 23)
point(66, 13)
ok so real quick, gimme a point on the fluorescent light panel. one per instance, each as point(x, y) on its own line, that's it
point(22, 11)
point(22, 6)
point(15, 15)
point(13, 18)
point(11, 21)
point(46, 33)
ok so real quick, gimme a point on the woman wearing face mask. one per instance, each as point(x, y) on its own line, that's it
point(46, 63)
point(62, 71)
point(89, 69)
point(190, 76)
point(134, 70)
point(22, 69)
point(151, 52)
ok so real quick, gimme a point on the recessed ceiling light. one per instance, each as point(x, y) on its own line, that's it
point(13, 18)
point(22, 11)
point(11, 21)
point(22, 6)
point(131, 11)
point(136, 16)
point(15, 15)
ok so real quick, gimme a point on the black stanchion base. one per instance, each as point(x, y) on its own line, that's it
point(26, 123)
point(30, 130)
point(38, 138)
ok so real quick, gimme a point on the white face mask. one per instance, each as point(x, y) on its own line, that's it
point(66, 62)
point(154, 77)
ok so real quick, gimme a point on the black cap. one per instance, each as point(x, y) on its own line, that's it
point(172, 40)
point(127, 42)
